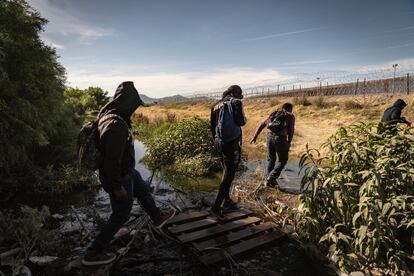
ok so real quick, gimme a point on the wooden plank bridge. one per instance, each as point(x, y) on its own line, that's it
point(214, 240)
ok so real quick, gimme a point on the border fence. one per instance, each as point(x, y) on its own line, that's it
point(359, 83)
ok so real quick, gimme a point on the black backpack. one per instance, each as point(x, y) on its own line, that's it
point(89, 154)
point(277, 121)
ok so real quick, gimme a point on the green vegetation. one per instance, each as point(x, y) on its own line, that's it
point(25, 229)
point(185, 147)
point(361, 207)
point(86, 103)
point(38, 123)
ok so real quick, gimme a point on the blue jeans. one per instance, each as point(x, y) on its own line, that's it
point(277, 147)
point(135, 186)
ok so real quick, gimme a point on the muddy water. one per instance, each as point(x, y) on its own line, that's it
point(289, 180)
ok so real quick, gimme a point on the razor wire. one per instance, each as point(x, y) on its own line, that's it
point(327, 83)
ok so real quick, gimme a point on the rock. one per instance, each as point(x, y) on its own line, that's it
point(76, 263)
point(42, 260)
point(121, 232)
point(288, 229)
point(8, 258)
point(58, 217)
point(21, 270)
point(357, 273)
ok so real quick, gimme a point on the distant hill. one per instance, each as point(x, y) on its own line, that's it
point(149, 100)
point(175, 98)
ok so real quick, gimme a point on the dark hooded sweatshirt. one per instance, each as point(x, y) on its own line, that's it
point(393, 113)
point(116, 139)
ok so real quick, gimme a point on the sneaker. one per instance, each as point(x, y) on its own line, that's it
point(230, 205)
point(93, 257)
point(164, 217)
point(218, 213)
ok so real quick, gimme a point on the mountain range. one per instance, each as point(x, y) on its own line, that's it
point(149, 100)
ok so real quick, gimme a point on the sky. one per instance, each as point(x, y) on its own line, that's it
point(172, 47)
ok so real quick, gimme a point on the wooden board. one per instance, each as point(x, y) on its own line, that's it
point(214, 231)
point(185, 217)
point(241, 247)
point(206, 222)
point(234, 236)
point(192, 226)
point(238, 232)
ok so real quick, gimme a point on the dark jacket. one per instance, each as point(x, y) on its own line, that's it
point(239, 117)
point(392, 115)
point(116, 138)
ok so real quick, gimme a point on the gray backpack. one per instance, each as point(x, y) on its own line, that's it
point(227, 130)
point(89, 154)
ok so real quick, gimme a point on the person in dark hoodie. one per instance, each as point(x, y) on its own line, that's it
point(229, 149)
point(392, 116)
point(117, 174)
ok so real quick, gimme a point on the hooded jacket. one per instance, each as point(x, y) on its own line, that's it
point(393, 113)
point(116, 137)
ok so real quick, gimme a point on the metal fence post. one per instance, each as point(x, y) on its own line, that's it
point(356, 87)
point(408, 83)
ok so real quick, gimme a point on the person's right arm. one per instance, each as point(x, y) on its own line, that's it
point(396, 116)
point(259, 130)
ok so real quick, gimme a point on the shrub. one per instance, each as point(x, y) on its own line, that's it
point(185, 144)
point(273, 102)
point(361, 207)
point(350, 104)
point(301, 100)
point(320, 102)
point(171, 117)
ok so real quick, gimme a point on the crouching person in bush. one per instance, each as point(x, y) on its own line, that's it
point(392, 116)
point(227, 118)
point(117, 174)
point(281, 126)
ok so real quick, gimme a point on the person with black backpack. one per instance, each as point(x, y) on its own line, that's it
point(227, 118)
point(392, 116)
point(116, 162)
point(281, 127)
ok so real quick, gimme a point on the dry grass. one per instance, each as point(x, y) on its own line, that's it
point(313, 124)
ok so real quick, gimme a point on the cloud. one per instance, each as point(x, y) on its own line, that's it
point(401, 45)
point(404, 65)
point(52, 44)
point(306, 62)
point(280, 34)
point(163, 84)
point(65, 24)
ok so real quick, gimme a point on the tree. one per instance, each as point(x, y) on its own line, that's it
point(37, 127)
point(86, 103)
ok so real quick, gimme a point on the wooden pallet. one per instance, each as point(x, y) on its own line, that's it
point(214, 240)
